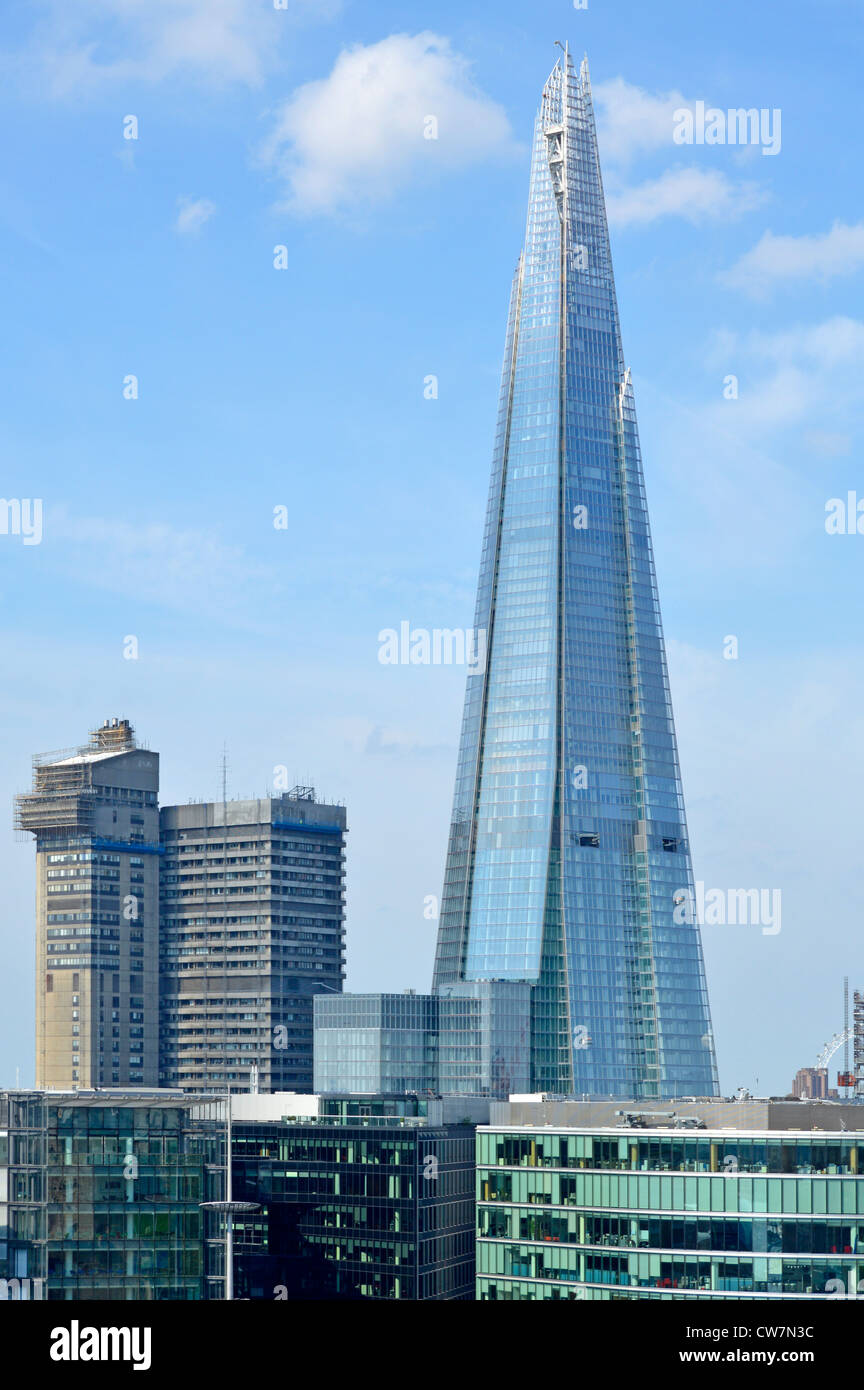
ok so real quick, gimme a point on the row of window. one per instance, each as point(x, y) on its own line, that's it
point(734, 1194)
point(692, 1153)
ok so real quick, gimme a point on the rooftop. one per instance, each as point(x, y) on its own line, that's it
point(751, 1116)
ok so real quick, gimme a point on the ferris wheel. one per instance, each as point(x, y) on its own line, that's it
point(833, 1046)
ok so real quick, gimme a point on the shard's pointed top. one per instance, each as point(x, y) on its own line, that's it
point(565, 68)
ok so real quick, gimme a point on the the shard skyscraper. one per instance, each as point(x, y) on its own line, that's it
point(568, 845)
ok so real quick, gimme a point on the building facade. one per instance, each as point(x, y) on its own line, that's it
point(811, 1083)
point(761, 1200)
point(568, 850)
point(472, 1039)
point(252, 928)
point(373, 1043)
point(484, 1041)
point(94, 814)
point(101, 1193)
point(360, 1197)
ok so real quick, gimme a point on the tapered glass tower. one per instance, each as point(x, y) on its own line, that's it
point(568, 844)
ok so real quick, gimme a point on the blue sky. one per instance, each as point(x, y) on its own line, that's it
point(303, 387)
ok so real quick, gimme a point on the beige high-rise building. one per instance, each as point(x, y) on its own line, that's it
point(95, 815)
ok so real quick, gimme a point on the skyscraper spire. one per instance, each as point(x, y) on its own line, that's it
point(568, 843)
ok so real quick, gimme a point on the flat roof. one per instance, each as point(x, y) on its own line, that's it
point(672, 1131)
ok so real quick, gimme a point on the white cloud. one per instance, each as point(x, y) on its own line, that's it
point(631, 120)
point(805, 374)
point(695, 194)
point(836, 342)
point(94, 41)
point(749, 505)
point(778, 259)
point(193, 214)
point(354, 136)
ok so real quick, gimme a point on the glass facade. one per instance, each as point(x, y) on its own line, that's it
point(484, 1046)
point(636, 1214)
point(103, 1200)
point(474, 1039)
point(367, 1202)
point(568, 842)
point(375, 1043)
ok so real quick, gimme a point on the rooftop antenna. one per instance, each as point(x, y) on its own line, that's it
point(225, 783)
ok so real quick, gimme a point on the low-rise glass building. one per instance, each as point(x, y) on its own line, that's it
point(472, 1039)
point(366, 1197)
point(384, 1043)
point(713, 1200)
point(101, 1193)
point(484, 1044)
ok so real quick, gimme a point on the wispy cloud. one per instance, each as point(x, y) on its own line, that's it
point(636, 123)
point(694, 194)
point(805, 374)
point(193, 214)
point(396, 743)
point(94, 42)
point(185, 569)
point(750, 505)
point(632, 121)
point(776, 260)
point(386, 112)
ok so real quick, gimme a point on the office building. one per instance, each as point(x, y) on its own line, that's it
point(252, 928)
point(94, 814)
point(472, 1039)
point(361, 1197)
point(376, 1043)
point(811, 1083)
point(568, 850)
point(484, 1040)
point(697, 1200)
point(101, 1196)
